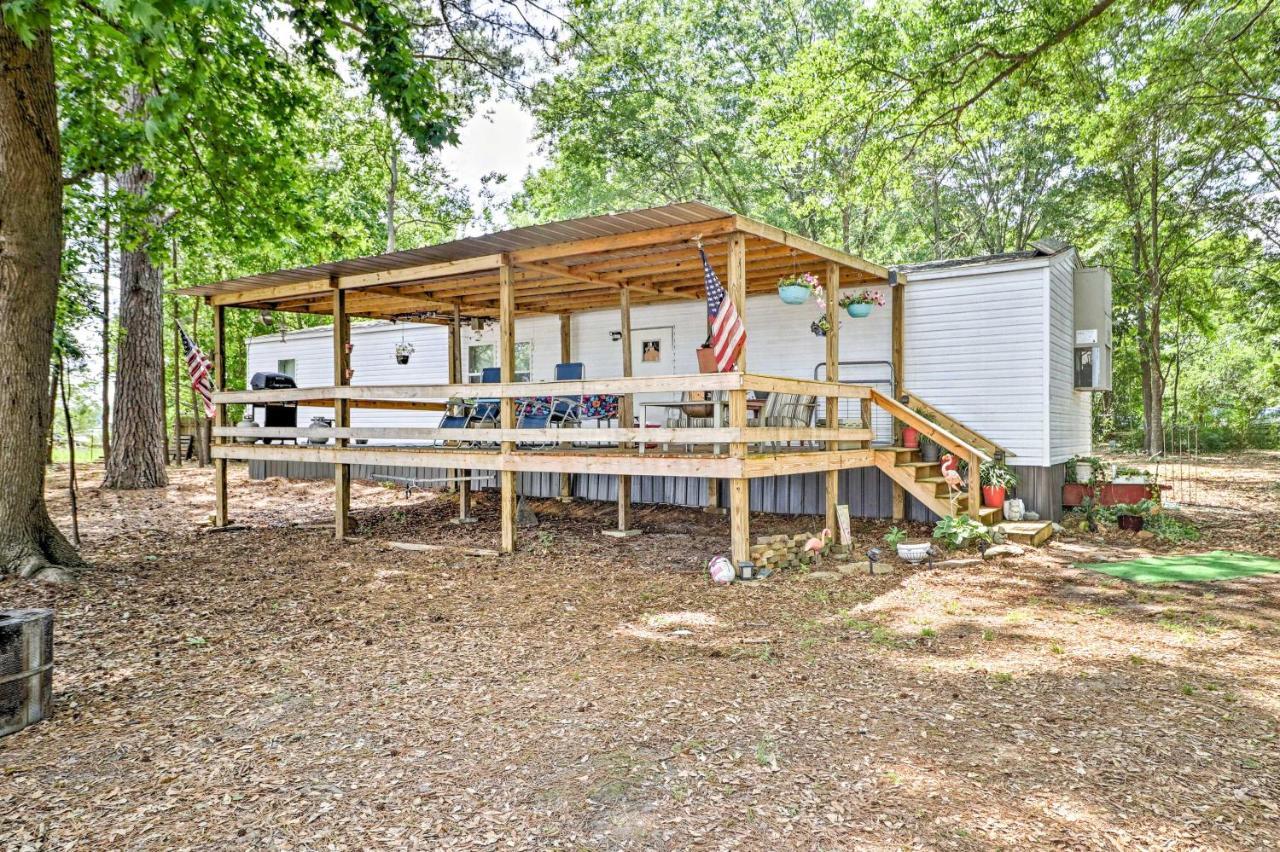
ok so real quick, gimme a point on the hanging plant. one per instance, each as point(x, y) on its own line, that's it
point(403, 351)
point(821, 326)
point(797, 289)
point(859, 305)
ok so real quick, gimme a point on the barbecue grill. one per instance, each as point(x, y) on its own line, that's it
point(275, 414)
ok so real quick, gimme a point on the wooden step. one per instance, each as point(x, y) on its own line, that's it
point(1033, 533)
point(940, 488)
point(922, 468)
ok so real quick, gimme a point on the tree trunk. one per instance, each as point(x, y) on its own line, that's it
point(30, 260)
point(71, 455)
point(106, 322)
point(53, 408)
point(137, 458)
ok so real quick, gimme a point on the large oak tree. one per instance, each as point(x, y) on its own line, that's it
point(194, 64)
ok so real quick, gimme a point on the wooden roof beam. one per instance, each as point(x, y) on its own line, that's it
point(804, 244)
point(319, 286)
point(616, 242)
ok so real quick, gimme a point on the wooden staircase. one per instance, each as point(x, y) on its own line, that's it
point(923, 480)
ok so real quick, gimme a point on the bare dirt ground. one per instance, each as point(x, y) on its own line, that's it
point(270, 688)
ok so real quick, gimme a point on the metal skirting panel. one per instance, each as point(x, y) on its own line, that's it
point(1040, 488)
point(867, 490)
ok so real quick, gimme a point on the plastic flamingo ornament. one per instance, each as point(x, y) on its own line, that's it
point(815, 544)
point(951, 473)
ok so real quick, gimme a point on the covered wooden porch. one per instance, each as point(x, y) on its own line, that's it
point(561, 269)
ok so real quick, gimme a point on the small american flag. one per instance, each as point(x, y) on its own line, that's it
point(727, 332)
point(200, 369)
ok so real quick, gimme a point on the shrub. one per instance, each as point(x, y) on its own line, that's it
point(960, 531)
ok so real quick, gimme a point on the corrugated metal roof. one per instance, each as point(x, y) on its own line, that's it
point(1040, 248)
point(533, 236)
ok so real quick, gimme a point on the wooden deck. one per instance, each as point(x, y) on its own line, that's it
point(662, 254)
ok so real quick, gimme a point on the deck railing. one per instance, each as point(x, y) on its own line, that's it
point(745, 450)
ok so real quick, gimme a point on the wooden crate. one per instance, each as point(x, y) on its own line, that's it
point(26, 667)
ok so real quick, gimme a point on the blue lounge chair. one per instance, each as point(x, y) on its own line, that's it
point(456, 421)
point(487, 410)
point(568, 408)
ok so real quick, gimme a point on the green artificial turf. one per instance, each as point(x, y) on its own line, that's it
point(1216, 565)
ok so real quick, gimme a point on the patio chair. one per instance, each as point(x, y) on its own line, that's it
point(486, 410)
point(456, 421)
point(568, 408)
point(787, 410)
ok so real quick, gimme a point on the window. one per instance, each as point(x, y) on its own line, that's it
point(288, 366)
point(483, 355)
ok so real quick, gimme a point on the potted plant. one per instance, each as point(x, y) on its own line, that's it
point(929, 449)
point(913, 552)
point(797, 289)
point(1132, 516)
point(910, 437)
point(821, 326)
point(403, 351)
point(996, 481)
point(1130, 476)
point(859, 305)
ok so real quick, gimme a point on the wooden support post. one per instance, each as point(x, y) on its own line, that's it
point(219, 414)
point(463, 484)
point(739, 492)
point(896, 348)
point(833, 375)
point(566, 356)
point(975, 487)
point(897, 284)
point(341, 409)
point(626, 416)
point(507, 415)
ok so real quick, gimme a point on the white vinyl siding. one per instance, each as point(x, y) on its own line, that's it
point(990, 345)
point(373, 348)
point(974, 340)
point(1070, 410)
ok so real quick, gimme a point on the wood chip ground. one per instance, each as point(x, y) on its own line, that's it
point(270, 688)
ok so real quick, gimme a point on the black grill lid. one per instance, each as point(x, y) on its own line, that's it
point(271, 381)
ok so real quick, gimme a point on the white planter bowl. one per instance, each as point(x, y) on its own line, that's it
point(913, 553)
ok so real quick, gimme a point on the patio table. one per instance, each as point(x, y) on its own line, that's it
point(753, 407)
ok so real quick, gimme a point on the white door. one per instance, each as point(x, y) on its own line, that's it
point(651, 355)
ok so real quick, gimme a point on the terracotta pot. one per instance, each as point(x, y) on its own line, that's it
point(910, 437)
point(993, 496)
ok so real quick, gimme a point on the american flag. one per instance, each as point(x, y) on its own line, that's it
point(727, 331)
point(201, 372)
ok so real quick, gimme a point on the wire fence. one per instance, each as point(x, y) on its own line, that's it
point(1179, 466)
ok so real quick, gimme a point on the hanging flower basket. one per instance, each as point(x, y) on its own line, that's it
point(797, 289)
point(860, 305)
point(821, 326)
point(403, 351)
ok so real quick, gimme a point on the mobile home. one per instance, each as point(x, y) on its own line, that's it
point(1012, 346)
